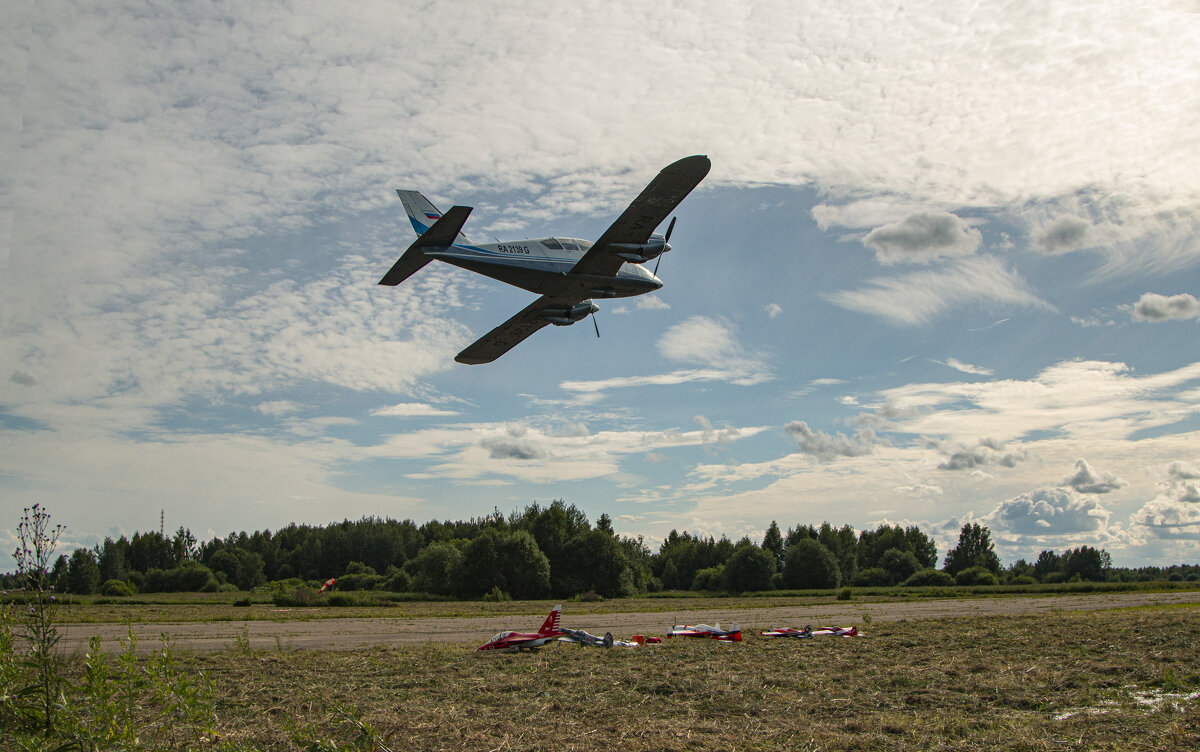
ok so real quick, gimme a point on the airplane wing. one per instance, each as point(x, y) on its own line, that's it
point(647, 212)
point(514, 331)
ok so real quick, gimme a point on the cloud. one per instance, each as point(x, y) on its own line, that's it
point(773, 310)
point(21, 378)
point(917, 298)
point(411, 410)
point(923, 238)
point(1064, 235)
point(827, 446)
point(1175, 512)
point(1049, 512)
point(277, 408)
point(1154, 307)
point(958, 365)
point(1088, 481)
point(986, 452)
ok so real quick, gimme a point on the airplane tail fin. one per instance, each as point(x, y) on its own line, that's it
point(440, 234)
point(550, 625)
point(422, 213)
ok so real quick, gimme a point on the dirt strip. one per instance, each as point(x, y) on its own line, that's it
point(358, 633)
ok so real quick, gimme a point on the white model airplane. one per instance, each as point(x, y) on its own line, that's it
point(566, 272)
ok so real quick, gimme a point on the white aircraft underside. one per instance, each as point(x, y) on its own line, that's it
point(566, 272)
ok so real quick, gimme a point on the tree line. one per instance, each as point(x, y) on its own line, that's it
point(555, 551)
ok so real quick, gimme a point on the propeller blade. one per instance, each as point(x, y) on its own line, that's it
point(670, 227)
point(656, 263)
point(595, 325)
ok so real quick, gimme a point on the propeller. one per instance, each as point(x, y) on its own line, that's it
point(595, 325)
point(666, 240)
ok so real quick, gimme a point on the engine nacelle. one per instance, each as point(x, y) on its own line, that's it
point(568, 316)
point(640, 253)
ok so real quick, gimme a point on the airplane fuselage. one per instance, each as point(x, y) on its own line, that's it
point(543, 265)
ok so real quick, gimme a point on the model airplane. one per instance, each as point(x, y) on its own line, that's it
point(568, 273)
point(808, 632)
point(527, 640)
point(733, 634)
point(582, 638)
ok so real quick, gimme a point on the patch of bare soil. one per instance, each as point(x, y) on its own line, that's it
point(358, 633)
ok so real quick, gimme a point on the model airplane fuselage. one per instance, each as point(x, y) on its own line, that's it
point(566, 272)
point(733, 634)
point(510, 641)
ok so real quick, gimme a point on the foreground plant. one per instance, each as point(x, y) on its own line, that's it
point(34, 556)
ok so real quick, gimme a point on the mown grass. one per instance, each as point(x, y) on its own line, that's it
point(1063, 681)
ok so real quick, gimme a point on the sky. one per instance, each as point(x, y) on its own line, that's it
point(944, 269)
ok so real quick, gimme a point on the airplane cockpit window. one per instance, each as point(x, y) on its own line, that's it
point(552, 244)
point(500, 636)
point(570, 245)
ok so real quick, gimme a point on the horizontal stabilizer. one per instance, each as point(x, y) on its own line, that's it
point(440, 235)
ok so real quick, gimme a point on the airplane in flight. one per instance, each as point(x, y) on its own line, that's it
point(566, 272)
point(733, 634)
point(518, 641)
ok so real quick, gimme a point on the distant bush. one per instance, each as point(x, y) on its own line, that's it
point(396, 582)
point(709, 578)
point(845, 594)
point(496, 595)
point(976, 576)
point(190, 578)
point(873, 577)
point(116, 587)
point(1024, 579)
point(296, 597)
point(343, 600)
point(589, 597)
point(929, 577)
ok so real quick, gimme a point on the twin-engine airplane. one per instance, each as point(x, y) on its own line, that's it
point(521, 640)
point(566, 272)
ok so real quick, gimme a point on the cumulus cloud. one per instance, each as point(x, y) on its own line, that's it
point(917, 298)
point(1088, 481)
point(826, 446)
point(1049, 512)
point(1154, 307)
point(21, 378)
point(1175, 512)
point(923, 238)
point(773, 310)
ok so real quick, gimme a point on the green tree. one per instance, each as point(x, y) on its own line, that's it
point(900, 565)
point(83, 573)
point(808, 563)
point(749, 569)
point(1087, 562)
point(433, 569)
point(773, 543)
point(974, 549)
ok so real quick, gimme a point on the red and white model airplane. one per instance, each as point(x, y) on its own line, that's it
point(522, 640)
point(809, 632)
point(733, 634)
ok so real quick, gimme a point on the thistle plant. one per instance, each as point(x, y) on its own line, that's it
point(34, 557)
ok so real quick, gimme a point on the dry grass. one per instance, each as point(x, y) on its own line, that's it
point(1066, 681)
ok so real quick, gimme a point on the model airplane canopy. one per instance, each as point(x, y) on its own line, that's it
point(567, 273)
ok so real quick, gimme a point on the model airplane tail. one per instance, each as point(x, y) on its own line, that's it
point(550, 625)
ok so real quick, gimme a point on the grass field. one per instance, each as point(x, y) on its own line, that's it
point(1124, 679)
point(1112, 679)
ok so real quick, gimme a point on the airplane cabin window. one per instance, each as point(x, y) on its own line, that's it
point(570, 245)
point(552, 244)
